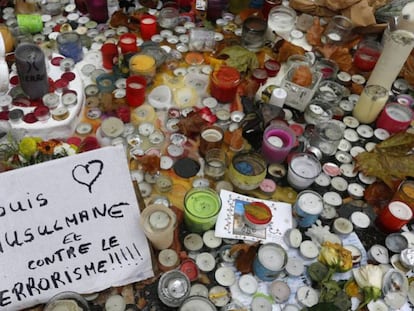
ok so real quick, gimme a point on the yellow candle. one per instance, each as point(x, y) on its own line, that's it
point(370, 103)
point(141, 64)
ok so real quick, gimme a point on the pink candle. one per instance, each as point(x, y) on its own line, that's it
point(277, 143)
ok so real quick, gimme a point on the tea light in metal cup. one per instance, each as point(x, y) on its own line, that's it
point(302, 171)
point(173, 288)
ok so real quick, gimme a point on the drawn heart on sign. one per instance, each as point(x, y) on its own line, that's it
point(87, 174)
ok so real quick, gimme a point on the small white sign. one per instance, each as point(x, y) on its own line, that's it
point(70, 224)
point(230, 223)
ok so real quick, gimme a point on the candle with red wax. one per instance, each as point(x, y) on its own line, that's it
point(224, 84)
point(394, 216)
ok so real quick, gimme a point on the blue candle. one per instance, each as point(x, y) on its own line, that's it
point(70, 45)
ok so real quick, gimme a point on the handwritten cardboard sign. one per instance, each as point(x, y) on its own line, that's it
point(70, 224)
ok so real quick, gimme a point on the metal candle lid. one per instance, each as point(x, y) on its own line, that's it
point(173, 288)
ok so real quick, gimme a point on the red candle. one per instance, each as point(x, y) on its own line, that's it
point(272, 67)
point(135, 90)
point(366, 55)
point(128, 43)
point(109, 52)
point(148, 26)
point(224, 84)
point(394, 216)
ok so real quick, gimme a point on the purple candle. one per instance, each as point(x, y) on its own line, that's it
point(98, 10)
point(277, 142)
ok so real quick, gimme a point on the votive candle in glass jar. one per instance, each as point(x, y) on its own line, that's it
point(143, 65)
point(397, 47)
point(338, 30)
point(278, 140)
point(372, 100)
point(302, 171)
point(70, 45)
point(224, 83)
point(280, 22)
point(201, 208)
point(367, 55)
point(253, 33)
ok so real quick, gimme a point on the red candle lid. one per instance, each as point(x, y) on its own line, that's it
point(258, 213)
point(189, 268)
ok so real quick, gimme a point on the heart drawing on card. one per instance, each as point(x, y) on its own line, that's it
point(88, 174)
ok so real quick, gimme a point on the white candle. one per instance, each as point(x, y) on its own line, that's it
point(397, 46)
point(135, 85)
point(115, 303)
point(370, 103)
point(205, 262)
point(193, 242)
point(303, 170)
point(310, 203)
point(272, 257)
point(159, 220)
point(400, 210)
point(248, 284)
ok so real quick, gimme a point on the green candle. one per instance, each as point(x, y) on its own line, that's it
point(201, 208)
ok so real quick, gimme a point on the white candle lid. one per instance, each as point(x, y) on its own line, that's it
point(248, 284)
point(400, 210)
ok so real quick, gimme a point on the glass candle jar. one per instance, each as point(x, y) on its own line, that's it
point(224, 83)
point(253, 33)
point(302, 171)
point(394, 216)
point(168, 17)
point(70, 45)
point(281, 21)
point(247, 170)
point(367, 55)
point(326, 136)
point(405, 193)
point(278, 140)
point(338, 30)
point(201, 208)
point(143, 65)
point(370, 103)
point(158, 223)
point(397, 46)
